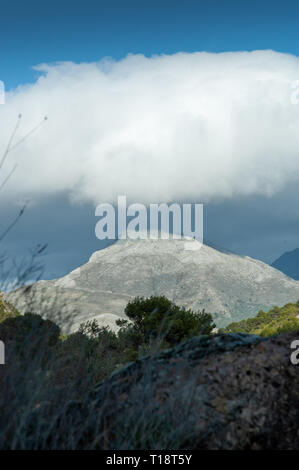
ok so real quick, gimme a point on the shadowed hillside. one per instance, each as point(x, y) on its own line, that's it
point(288, 263)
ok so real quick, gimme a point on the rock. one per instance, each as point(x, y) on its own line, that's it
point(231, 391)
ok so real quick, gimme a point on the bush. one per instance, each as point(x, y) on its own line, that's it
point(7, 310)
point(157, 318)
point(278, 320)
point(47, 374)
point(30, 329)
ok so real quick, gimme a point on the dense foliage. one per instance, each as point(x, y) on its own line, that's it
point(276, 321)
point(45, 371)
point(157, 320)
point(155, 323)
point(47, 376)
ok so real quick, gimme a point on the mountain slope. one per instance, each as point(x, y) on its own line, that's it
point(276, 321)
point(288, 263)
point(230, 287)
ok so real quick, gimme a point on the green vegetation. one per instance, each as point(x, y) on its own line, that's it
point(7, 310)
point(157, 323)
point(49, 381)
point(46, 373)
point(154, 324)
point(276, 321)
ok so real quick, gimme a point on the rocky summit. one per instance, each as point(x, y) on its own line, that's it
point(229, 286)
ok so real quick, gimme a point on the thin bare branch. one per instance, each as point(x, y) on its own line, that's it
point(8, 177)
point(13, 223)
point(28, 134)
point(8, 148)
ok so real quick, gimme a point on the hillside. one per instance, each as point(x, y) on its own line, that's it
point(228, 286)
point(276, 321)
point(288, 263)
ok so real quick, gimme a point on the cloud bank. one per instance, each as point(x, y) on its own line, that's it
point(187, 126)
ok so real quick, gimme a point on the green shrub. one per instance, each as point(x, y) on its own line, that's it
point(46, 373)
point(29, 327)
point(157, 318)
point(278, 320)
point(7, 310)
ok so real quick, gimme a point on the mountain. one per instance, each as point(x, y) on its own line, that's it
point(288, 263)
point(229, 286)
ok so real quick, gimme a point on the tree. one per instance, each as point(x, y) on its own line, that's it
point(157, 317)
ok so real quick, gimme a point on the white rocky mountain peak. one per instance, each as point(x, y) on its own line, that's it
point(229, 286)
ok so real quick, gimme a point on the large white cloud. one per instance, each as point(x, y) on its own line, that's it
point(164, 128)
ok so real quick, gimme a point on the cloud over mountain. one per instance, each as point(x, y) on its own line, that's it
point(185, 126)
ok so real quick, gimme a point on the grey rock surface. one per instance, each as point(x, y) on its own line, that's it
point(224, 392)
point(229, 286)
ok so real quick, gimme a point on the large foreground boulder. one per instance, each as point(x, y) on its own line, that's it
point(228, 391)
point(231, 391)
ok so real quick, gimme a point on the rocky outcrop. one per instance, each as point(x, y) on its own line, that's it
point(225, 392)
point(230, 287)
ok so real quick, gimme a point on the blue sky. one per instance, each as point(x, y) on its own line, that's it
point(34, 32)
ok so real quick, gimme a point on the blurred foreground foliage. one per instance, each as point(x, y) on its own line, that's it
point(45, 371)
